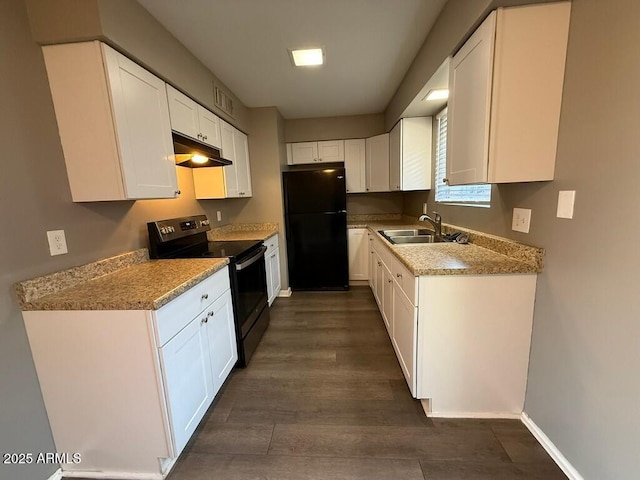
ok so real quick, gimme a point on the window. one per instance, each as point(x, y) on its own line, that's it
point(476, 195)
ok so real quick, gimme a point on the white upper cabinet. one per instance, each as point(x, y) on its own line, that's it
point(354, 164)
point(192, 119)
point(377, 163)
point(505, 96)
point(230, 181)
point(327, 151)
point(410, 159)
point(114, 125)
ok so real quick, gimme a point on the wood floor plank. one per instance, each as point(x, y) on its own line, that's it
point(269, 467)
point(233, 438)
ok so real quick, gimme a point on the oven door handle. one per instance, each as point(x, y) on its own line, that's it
point(251, 260)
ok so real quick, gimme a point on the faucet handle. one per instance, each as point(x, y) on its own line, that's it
point(437, 217)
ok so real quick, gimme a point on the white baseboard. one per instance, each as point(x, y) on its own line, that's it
point(427, 410)
point(551, 449)
point(113, 475)
point(57, 475)
point(285, 293)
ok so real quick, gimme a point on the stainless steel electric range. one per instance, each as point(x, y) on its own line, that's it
point(186, 237)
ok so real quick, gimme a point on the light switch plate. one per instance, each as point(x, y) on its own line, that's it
point(566, 200)
point(57, 242)
point(521, 220)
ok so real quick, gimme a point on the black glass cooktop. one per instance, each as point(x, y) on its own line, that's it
point(228, 249)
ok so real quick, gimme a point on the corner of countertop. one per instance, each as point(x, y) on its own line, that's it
point(29, 290)
point(243, 231)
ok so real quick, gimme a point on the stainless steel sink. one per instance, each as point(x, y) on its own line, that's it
point(416, 239)
point(410, 236)
point(406, 233)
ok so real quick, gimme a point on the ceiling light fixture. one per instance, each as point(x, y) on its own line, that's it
point(307, 57)
point(438, 94)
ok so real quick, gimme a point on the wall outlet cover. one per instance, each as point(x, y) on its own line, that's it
point(521, 220)
point(57, 242)
point(219, 215)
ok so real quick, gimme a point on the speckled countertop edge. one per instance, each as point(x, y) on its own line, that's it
point(126, 285)
point(486, 254)
point(243, 231)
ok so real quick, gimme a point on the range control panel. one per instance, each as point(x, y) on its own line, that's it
point(171, 229)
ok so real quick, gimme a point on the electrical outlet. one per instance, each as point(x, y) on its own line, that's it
point(521, 220)
point(566, 200)
point(57, 242)
point(219, 215)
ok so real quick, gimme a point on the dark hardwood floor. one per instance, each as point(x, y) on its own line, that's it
point(324, 398)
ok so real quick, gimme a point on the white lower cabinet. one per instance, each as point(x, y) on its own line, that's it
point(186, 366)
point(272, 264)
point(144, 382)
point(358, 254)
point(462, 341)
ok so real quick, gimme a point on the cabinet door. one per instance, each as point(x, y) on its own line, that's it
point(358, 254)
point(416, 157)
point(273, 275)
point(188, 381)
point(183, 113)
point(379, 282)
point(470, 84)
point(304, 152)
point(395, 154)
point(377, 163)
point(354, 164)
point(221, 335)
point(209, 127)
point(243, 170)
point(141, 117)
point(405, 323)
point(228, 152)
point(372, 263)
point(331, 151)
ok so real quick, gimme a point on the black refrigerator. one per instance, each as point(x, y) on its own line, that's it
point(315, 204)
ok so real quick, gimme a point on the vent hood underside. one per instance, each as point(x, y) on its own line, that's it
point(185, 148)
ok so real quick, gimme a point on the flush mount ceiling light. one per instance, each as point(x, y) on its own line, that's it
point(438, 94)
point(306, 57)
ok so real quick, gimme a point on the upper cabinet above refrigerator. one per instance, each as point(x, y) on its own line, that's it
point(114, 125)
point(505, 95)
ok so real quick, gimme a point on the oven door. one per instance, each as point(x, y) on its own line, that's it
point(252, 288)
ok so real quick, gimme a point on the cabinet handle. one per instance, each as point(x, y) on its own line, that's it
point(379, 264)
point(399, 275)
point(204, 320)
point(199, 135)
point(390, 281)
point(177, 192)
point(445, 180)
point(205, 296)
point(273, 256)
point(204, 137)
point(210, 314)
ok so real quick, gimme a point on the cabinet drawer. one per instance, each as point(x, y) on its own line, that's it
point(271, 243)
point(176, 314)
point(405, 280)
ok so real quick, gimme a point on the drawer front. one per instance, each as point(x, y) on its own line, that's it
point(271, 243)
point(405, 279)
point(175, 315)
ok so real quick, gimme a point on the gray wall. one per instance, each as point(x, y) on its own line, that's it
point(583, 388)
point(374, 203)
point(333, 128)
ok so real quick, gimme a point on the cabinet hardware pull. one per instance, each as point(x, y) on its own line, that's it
point(204, 137)
point(445, 180)
point(210, 314)
point(177, 192)
point(205, 296)
point(204, 320)
point(379, 264)
point(399, 275)
point(273, 256)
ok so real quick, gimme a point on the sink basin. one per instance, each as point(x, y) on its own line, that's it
point(410, 236)
point(405, 233)
point(415, 239)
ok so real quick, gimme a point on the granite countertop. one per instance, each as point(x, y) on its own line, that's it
point(486, 254)
point(243, 231)
point(141, 284)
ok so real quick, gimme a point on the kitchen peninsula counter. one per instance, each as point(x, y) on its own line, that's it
point(125, 282)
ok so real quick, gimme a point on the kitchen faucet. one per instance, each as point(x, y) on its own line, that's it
point(436, 222)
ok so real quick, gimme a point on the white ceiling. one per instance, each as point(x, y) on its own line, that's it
point(369, 46)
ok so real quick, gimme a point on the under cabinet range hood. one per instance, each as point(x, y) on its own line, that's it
point(194, 154)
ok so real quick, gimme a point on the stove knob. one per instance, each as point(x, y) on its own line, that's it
point(163, 230)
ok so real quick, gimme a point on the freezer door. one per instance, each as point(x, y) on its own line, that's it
point(315, 191)
point(317, 251)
